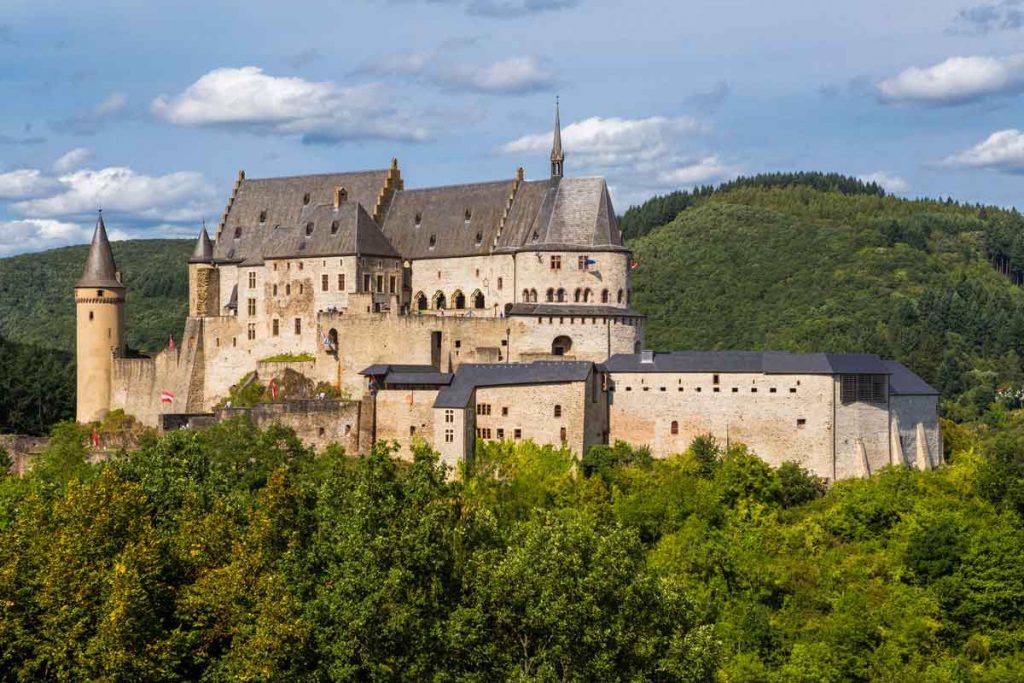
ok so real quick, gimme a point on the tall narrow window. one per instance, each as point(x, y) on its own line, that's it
point(298, 326)
point(275, 327)
point(556, 263)
point(325, 282)
point(252, 307)
point(252, 280)
point(341, 282)
point(392, 284)
point(675, 427)
point(563, 435)
point(558, 411)
point(252, 331)
point(366, 282)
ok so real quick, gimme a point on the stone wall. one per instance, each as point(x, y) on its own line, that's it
point(406, 416)
point(611, 272)
point(860, 424)
point(908, 412)
point(492, 276)
point(454, 439)
point(317, 423)
point(23, 450)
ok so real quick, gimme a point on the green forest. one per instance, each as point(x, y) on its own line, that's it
point(236, 554)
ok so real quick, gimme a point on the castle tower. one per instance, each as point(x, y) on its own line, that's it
point(203, 279)
point(99, 305)
point(557, 155)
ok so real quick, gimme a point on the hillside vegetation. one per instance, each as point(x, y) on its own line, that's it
point(796, 268)
point(37, 304)
point(237, 555)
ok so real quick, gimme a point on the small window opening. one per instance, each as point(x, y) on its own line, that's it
point(305, 199)
point(263, 216)
point(334, 227)
point(309, 228)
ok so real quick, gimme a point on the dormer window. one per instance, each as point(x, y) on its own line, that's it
point(419, 219)
point(309, 228)
point(238, 233)
point(340, 196)
point(469, 215)
point(479, 237)
point(305, 199)
point(263, 216)
point(536, 236)
point(334, 227)
point(433, 241)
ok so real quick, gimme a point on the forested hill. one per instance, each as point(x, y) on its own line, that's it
point(781, 264)
point(37, 293)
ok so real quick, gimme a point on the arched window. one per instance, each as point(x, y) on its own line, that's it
point(305, 199)
point(577, 296)
point(620, 296)
point(478, 299)
point(604, 296)
point(586, 295)
point(675, 427)
point(561, 346)
point(332, 340)
point(560, 295)
point(439, 301)
point(421, 302)
point(508, 309)
point(238, 233)
point(550, 294)
point(533, 296)
point(458, 300)
point(558, 410)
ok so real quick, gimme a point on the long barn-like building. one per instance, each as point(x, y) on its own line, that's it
point(496, 310)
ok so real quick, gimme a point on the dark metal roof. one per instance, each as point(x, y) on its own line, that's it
point(203, 253)
point(573, 309)
point(906, 382)
point(396, 379)
point(470, 376)
point(100, 269)
point(381, 369)
point(766, 362)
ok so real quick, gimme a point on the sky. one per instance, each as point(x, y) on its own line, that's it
point(148, 110)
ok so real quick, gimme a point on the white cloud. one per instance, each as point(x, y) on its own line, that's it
point(409, 63)
point(34, 235)
point(25, 183)
point(113, 107)
point(513, 76)
point(1003, 150)
point(317, 111)
point(640, 157)
point(890, 182)
point(73, 159)
point(181, 196)
point(957, 80)
point(979, 19)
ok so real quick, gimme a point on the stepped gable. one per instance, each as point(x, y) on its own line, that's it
point(325, 231)
point(571, 214)
point(100, 269)
point(284, 202)
point(442, 214)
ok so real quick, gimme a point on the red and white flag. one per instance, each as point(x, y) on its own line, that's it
point(273, 388)
point(95, 439)
point(634, 264)
point(170, 343)
point(166, 397)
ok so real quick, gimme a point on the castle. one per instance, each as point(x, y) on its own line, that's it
point(497, 310)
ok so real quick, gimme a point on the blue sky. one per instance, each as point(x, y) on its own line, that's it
point(148, 109)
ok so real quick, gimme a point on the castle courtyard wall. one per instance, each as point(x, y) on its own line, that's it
point(406, 417)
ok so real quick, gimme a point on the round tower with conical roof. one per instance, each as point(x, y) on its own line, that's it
point(203, 280)
point(99, 303)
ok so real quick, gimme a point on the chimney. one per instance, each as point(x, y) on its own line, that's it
point(647, 357)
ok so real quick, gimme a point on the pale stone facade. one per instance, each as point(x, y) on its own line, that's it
point(509, 306)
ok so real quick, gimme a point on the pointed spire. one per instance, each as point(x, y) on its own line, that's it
point(203, 253)
point(100, 269)
point(557, 155)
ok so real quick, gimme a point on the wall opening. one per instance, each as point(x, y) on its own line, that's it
point(561, 346)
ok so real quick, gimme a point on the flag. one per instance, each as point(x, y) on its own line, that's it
point(273, 388)
point(166, 397)
point(590, 262)
point(95, 439)
point(634, 264)
point(170, 343)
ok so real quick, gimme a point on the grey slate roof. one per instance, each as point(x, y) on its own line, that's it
point(419, 378)
point(904, 381)
point(282, 199)
point(767, 362)
point(573, 309)
point(381, 369)
point(346, 231)
point(470, 376)
point(100, 269)
point(203, 253)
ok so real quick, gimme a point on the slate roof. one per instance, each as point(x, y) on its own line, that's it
point(573, 309)
point(470, 376)
point(100, 269)
point(347, 231)
point(381, 369)
point(203, 253)
point(282, 200)
point(906, 382)
point(766, 362)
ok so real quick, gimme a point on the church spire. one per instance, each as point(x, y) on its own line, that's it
point(100, 269)
point(557, 155)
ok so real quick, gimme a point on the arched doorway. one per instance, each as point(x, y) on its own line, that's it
point(561, 346)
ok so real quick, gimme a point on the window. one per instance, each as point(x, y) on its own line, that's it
point(238, 233)
point(302, 288)
point(274, 289)
point(325, 282)
point(380, 283)
point(252, 280)
point(560, 295)
point(483, 432)
point(517, 434)
point(298, 326)
point(392, 284)
point(577, 295)
point(735, 390)
point(412, 430)
point(309, 228)
point(583, 263)
point(468, 215)
point(366, 282)
point(550, 295)
point(558, 410)
point(478, 300)
point(301, 264)
point(556, 263)
point(504, 411)
point(499, 283)
point(418, 219)
point(500, 434)
point(334, 227)
point(801, 422)
point(772, 390)
point(449, 416)
point(620, 296)
point(533, 296)
point(275, 327)
point(792, 390)
point(674, 428)
point(305, 199)
point(341, 282)
point(340, 196)
point(483, 408)
point(263, 216)
point(604, 296)
point(563, 435)
point(433, 241)
point(862, 388)
point(714, 379)
point(251, 308)
point(90, 315)
point(561, 346)
point(479, 237)
point(526, 295)
point(421, 302)
point(449, 435)
point(288, 290)
point(252, 331)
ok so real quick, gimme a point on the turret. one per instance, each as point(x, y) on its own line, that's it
point(203, 279)
point(99, 306)
point(557, 155)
